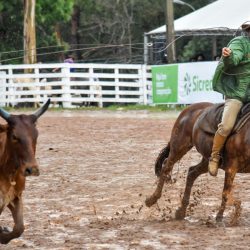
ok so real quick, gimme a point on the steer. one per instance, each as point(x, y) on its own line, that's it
point(18, 140)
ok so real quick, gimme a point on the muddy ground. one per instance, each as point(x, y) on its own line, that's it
point(96, 171)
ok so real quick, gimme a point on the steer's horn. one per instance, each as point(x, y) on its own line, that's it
point(40, 111)
point(4, 114)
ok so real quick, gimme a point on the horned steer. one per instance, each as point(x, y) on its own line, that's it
point(18, 140)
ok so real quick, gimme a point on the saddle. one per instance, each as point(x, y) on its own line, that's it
point(211, 117)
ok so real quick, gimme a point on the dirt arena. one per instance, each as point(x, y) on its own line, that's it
point(96, 171)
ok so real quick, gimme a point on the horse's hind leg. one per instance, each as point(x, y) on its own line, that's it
point(176, 153)
point(193, 173)
point(228, 184)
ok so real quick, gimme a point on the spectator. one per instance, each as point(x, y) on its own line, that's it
point(69, 59)
point(200, 57)
point(217, 58)
point(192, 59)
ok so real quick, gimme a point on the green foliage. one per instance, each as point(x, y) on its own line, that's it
point(111, 22)
point(157, 108)
point(48, 14)
point(107, 30)
point(198, 45)
point(188, 47)
point(114, 22)
point(11, 30)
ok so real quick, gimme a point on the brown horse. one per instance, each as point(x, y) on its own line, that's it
point(192, 129)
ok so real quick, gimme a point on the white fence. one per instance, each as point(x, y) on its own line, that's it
point(74, 85)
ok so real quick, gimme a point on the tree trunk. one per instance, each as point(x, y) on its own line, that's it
point(170, 33)
point(75, 22)
point(29, 34)
point(59, 40)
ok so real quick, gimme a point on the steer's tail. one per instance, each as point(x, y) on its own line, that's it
point(161, 158)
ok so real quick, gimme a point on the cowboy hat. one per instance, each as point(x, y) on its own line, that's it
point(246, 25)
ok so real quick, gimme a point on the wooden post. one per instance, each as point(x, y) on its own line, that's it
point(29, 32)
point(170, 34)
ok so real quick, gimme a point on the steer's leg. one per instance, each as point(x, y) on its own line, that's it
point(193, 173)
point(17, 212)
point(228, 184)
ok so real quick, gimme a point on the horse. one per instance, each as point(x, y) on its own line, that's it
point(195, 127)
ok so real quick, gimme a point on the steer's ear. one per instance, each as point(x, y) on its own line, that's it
point(3, 128)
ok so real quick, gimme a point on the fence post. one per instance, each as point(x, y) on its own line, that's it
point(116, 76)
point(37, 87)
point(66, 96)
point(3, 88)
point(144, 83)
point(91, 86)
point(99, 88)
point(12, 90)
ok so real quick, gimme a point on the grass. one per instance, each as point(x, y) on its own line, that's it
point(151, 108)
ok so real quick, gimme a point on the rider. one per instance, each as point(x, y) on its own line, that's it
point(232, 79)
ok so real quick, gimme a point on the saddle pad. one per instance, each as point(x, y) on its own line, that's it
point(209, 119)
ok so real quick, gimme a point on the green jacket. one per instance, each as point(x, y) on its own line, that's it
point(232, 75)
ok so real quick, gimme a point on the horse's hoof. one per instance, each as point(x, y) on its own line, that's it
point(219, 218)
point(180, 214)
point(4, 239)
point(150, 201)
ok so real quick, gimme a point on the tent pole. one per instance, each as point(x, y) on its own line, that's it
point(145, 49)
point(214, 46)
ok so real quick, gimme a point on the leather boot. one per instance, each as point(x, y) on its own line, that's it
point(218, 144)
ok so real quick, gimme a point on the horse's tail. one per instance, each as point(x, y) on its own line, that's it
point(160, 159)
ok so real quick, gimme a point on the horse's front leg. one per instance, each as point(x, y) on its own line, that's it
point(193, 173)
point(16, 209)
point(228, 184)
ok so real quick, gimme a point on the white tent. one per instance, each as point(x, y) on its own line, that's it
point(222, 17)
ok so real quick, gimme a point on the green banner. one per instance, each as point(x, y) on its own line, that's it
point(165, 84)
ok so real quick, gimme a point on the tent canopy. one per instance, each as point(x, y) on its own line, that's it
point(223, 17)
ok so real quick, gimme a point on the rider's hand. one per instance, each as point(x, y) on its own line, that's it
point(226, 52)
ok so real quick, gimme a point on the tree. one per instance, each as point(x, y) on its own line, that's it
point(95, 30)
point(50, 16)
point(112, 30)
point(29, 34)
point(12, 29)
